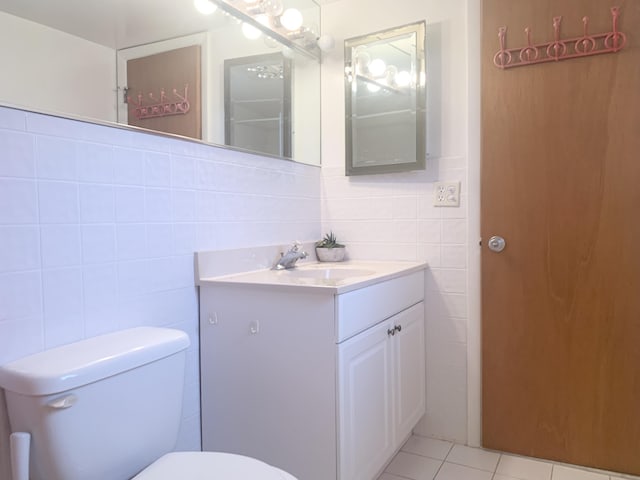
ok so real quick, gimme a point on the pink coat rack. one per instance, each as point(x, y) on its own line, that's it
point(560, 49)
point(161, 107)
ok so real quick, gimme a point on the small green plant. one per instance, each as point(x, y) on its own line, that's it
point(329, 241)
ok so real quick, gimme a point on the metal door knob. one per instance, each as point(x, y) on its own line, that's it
point(497, 244)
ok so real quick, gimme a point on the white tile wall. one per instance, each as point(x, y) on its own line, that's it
point(98, 227)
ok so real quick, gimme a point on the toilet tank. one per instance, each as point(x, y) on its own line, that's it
point(102, 408)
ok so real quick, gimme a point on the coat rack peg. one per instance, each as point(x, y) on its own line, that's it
point(161, 107)
point(559, 48)
point(530, 52)
point(587, 43)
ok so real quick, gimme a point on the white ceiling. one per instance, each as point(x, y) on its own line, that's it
point(117, 23)
point(113, 23)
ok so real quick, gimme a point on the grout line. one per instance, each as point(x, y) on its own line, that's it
point(439, 468)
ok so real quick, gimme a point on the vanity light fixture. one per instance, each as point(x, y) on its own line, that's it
point(270, 18)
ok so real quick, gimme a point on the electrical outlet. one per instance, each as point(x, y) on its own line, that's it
point(446, 194)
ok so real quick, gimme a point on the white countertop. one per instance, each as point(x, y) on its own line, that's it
point(329, 277)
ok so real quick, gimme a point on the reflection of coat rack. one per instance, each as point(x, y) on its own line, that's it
point(161, 107)
point(559, 49)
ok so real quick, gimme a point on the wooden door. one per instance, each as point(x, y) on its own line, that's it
point(178, 112)
point(561, 183)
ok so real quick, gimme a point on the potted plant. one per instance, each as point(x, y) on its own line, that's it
point(329, 250)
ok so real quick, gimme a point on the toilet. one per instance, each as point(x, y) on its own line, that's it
point(109, 408)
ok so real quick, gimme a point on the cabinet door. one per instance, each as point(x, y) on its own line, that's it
point(409, 369)
point(366, 403)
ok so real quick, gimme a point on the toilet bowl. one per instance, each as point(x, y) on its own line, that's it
point(109, 408)
point(210, 466)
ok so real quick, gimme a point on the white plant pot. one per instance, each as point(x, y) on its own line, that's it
point(335, 254)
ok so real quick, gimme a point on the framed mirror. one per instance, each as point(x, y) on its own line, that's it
point(386, 101)
point(74, 59)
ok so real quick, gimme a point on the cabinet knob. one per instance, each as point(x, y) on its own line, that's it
point(398, 328)
point(391, 331)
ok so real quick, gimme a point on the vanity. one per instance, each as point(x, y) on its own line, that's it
point(319, 370)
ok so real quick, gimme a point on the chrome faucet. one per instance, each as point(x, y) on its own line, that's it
point(289, 259)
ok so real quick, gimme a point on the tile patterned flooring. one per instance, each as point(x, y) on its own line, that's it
point(424, 458)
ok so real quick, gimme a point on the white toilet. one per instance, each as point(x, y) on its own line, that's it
point(109, 408)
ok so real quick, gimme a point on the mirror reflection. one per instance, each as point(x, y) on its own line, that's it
point(257, 106)
point(160, 65)
point(385, 101)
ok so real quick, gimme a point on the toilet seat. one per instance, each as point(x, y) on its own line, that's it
point(210, 466)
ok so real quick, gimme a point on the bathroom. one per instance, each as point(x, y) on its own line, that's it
point(93, 246)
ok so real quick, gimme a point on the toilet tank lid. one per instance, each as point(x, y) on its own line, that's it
point(80, 363)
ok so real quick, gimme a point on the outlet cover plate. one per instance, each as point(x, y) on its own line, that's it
point(446, 194)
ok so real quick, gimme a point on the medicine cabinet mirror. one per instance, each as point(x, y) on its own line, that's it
point(386, 101)
point(257, 103)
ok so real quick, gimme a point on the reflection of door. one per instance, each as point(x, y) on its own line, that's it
point(561, 183)
point(176, 69)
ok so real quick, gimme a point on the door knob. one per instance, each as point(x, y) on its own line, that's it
point(497, 244)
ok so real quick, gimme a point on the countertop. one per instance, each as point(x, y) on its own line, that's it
point(328, 277)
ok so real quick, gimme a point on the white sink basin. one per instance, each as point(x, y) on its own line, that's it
point(329, 273)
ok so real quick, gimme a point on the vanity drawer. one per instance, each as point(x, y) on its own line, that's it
point(360, 309)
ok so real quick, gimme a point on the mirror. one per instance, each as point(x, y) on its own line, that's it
point(257, 103)
point(386, 101)
point(72, 59)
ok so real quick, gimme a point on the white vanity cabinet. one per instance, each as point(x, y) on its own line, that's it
point(381, 391)
point(325, 383)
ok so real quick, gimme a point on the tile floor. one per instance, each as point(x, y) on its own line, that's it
point(424, 458)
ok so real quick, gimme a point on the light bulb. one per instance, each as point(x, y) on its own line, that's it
point(326, 42)
point(403, 78)
point(372, 87)
point(205, 7)
point(250, 31)
point(291, 19)
point(262, 19)
point(377, 67)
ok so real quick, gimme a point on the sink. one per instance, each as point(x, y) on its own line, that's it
point(329, 273)
point(326, 276)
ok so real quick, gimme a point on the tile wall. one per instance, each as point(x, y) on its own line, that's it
point(98, 227)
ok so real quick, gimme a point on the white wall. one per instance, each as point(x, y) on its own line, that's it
point(49, 70)
point(392, 216)
point(99, 225)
